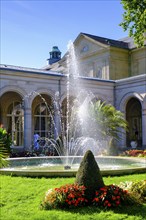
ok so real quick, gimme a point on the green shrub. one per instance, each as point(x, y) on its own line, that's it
point(136, 189)
point(5, 139)
point(5, 143)
point(89, 175)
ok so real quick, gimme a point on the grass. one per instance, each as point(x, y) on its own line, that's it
point(21, 198)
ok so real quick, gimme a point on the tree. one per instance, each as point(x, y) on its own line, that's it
point(134, 20)
point(89, 175)
point(111, 124)
point(109, 120)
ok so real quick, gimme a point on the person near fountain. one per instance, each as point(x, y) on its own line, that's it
point(36, 141)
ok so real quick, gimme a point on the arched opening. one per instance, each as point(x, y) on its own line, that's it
point(134, 118)
point(12, 116)
point(43, 116)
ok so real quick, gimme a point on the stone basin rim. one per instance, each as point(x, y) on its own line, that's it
point(71, 173)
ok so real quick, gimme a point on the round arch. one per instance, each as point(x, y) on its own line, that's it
point(12, 115)
point(134, 118)
point(11, 88)
point(32, 95)
point(127, 105)
point(126, 98)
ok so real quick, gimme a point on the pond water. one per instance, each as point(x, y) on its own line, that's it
point(58, 163)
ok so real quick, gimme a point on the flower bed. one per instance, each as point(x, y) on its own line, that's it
point(68, 196)
point(73, 195)
point(88, 189)
point(110, 196)
point(135, 153)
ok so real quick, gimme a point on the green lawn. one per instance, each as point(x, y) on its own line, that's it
point(21, 198)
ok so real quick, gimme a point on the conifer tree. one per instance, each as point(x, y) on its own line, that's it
point(89, 175)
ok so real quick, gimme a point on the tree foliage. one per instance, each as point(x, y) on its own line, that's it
point(89, 175)
point(134, 20)
point(5, 143)
point(110, 120)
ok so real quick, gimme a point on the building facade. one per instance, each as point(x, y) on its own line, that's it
point(114, 71)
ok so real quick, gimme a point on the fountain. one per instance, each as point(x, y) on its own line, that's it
point(77, 135)
point(73, 139)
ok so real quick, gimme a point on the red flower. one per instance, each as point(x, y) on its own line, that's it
point(106, 202)
point(103, 188)
point(115, 192)
point(96, 199)
point(117, 202)
point(125, 191)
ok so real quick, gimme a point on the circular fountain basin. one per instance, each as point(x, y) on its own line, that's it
point(54, 166)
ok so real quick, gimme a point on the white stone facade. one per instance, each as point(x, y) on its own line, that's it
point(112, 74)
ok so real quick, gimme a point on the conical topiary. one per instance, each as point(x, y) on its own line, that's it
point(89, 175)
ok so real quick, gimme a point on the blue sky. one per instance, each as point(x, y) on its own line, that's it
point(30, 28)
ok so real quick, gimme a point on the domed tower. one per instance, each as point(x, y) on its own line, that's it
point(55, 55)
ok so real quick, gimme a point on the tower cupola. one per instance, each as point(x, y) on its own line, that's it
point(55, 55)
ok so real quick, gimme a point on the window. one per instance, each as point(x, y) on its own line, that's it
point(43, 121)
point(85, 48)
point(15, 121)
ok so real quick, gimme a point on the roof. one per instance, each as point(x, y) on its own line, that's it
point(108, 41)
point(57, 67)
point(29, 70)
point(55, 49)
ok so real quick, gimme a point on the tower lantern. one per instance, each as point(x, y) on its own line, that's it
point(55, 55)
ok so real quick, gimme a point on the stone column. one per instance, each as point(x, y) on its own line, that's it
point(27, 129)
point(122, 135)
point(144, 128)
